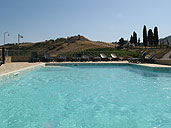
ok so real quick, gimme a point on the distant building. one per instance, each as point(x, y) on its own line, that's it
point(169, 44)
point(165, 41)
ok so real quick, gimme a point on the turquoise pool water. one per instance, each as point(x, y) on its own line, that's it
point(87, 96)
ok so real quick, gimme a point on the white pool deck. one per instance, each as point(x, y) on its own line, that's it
point(18, 66)
point(9, 68)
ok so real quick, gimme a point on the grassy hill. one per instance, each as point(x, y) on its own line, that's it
point(60, 46)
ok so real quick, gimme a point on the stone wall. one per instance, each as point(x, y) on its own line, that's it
point(8, 59)
point(20, 59)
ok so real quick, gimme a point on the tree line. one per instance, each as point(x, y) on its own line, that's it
point(150, 38)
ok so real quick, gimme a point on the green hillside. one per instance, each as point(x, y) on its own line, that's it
point(60, 46)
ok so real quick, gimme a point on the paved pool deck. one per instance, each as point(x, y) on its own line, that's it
point(18, 66)
point(8, 68)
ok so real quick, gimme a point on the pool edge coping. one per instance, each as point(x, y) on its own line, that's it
point(144, 65)
point(56, 63)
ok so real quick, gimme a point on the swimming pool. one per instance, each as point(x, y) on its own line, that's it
point(87, 96)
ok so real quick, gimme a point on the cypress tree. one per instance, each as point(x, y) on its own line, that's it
point(150, 37)
point(135, 38)
point(156, 37)
point(145, 36)
point(139, 42)
point(131, 39)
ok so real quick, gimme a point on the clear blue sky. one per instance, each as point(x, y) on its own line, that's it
point(102, 20)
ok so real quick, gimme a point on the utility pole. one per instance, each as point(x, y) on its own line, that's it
point(19, 36)
point(3, 55)
point(3, 49)
point(5, 36)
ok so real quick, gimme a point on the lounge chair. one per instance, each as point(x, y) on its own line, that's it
point(170, 57)
point(85, 58)
point(103, 56)
point(144, 59)
point(149, 59)
point(144, 55)
point(62, 58)
point(97, 59)
point(138, 60)
point(121, 58)
point(34, 57)
point(75, 58)
point(135, 60)
point(114, 57)
point(47, 57)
